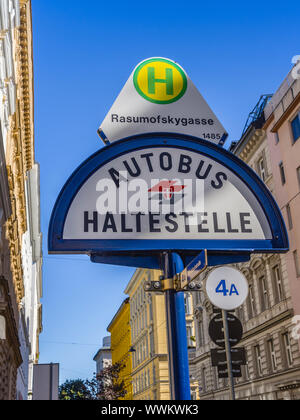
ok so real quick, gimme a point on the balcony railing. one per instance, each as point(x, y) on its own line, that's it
point(279, 94)
point(257, 114)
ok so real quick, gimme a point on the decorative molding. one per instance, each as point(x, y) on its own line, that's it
point(252, 143)
point(265, 326)
point(25, 82)
point(20, 143)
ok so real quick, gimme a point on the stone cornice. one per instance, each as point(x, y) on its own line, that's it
point(251, 145)
point(286, 114)
point(254, 332)
point(133, 281)
point(25, 82)
point(119, 314)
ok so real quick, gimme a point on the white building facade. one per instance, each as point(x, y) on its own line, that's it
point(103, 357)
point(9, 20)
point(21, 264)
point(30, 309)
point(9, 341)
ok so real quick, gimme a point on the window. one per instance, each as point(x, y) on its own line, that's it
point(151, 344)
point(276, 137)
point(147, 347)
point(287, 347)
point(262, 169)
point(138, 359)
point(278, 283)
point(143, 350)
point(216, 377)
point(142, 382)
point(298, 175)
point(282, 173)
point(150, 309)
point(289, 216)
point(133, 387)
point(189, 333)
point(296, 127)
point(272, 355)
point(142, 322)
point(201, 333)
point(297, 265)
point(187, 303)
point(251, 302)
point(246, 372)
point(258, 360)
point(263, 293)
point(154, 376)
point(204, 379)
point(134, 359)
point(148, 377)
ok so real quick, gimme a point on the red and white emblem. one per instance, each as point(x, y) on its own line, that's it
point(167, 188)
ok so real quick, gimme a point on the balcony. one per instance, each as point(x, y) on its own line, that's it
point(256, 117)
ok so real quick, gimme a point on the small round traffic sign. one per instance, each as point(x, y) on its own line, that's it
point(216, 330)
point(227, 288)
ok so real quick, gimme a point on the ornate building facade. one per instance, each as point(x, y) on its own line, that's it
point(282, 126)
point(149, 373)
point(149, 346)
point(21, 237)
point(272, 353)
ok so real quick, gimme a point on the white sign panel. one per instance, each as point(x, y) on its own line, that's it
point(165, 193)
point(227, 288)
point(160, 97)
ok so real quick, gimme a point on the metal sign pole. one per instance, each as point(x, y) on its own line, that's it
point(228, 355)
point(176, 331)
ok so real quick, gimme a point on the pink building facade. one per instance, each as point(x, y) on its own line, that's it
point(282, 115)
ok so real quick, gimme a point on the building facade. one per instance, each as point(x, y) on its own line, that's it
point(103, 355)
point(150, 376)
point(20, 223)
point(120, 331)
point(10, 354)
point(149, 346)
point(272, 351)
point(282, 127)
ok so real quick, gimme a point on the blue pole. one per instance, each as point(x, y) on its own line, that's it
point(176, 332)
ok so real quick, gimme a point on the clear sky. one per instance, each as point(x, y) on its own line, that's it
point(84, 51)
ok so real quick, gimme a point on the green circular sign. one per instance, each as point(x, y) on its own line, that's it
point(160, 81)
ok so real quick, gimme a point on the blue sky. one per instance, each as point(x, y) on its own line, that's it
point(84, 51)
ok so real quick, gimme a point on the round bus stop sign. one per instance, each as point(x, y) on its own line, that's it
point(226, 288)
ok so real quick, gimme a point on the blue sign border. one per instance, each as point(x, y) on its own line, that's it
point(123, 248)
